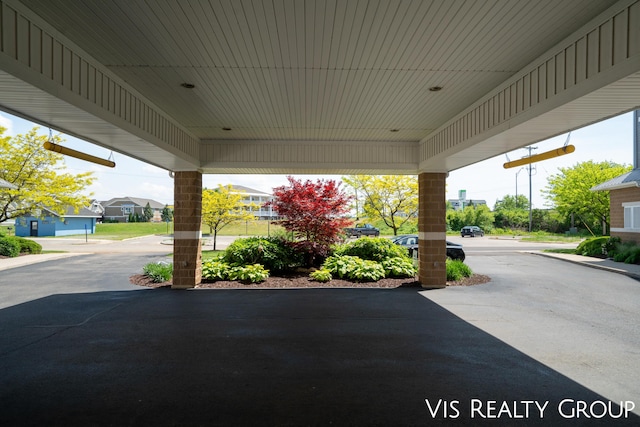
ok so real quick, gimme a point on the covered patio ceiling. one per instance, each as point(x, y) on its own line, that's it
point(318, 86)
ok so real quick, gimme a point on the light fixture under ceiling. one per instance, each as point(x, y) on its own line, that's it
point(435, 88)
point(227, 129)
point(187, 85)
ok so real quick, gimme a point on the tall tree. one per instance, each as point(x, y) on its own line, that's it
point(313, 212)
point(147, 212)
point(471, 215)
point(166, 214)
point(391, 198)
point(39, 177)
point(570, 191)
point(221, 207)
point(512, 213)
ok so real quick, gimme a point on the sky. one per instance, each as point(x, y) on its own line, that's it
point(610, 140)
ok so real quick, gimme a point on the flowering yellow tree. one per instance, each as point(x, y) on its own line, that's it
point(391, 198)
point(38, 177)
point(223, 206)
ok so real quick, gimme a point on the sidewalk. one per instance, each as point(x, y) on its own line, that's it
point(630, 270)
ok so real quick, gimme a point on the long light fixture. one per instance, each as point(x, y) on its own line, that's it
point(77, 154)
point(542, 156)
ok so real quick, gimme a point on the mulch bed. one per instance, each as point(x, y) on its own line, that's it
point(303, 281)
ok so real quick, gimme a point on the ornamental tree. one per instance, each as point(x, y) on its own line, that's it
point(38, 177)
point(391, 198)
point(313, 212)
point(223, 206)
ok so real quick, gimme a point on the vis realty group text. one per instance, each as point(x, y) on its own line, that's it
point(528, 409)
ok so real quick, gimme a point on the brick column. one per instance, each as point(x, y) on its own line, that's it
point(187, 216)
point(432, 228)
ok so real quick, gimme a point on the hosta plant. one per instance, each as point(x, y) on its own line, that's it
point(321, 275)
point(254, 273)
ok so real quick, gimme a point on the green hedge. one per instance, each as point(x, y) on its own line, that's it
point(592, 247)
point(274, 253)
point(12, 246)
point(9, 246)
point(372, 248)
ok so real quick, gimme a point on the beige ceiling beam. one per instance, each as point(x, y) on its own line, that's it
point(317, 157)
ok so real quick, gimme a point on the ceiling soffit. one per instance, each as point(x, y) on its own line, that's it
point(303, 73)
point(315, 70)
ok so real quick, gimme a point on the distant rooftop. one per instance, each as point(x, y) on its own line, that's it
point(248, 190)
point(6, 184)
point(628, 180)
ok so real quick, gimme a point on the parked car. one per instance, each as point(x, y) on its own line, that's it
point(410, 241)
point(362, 230)
point(471, 230)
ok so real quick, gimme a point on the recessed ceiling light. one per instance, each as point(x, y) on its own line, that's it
point(226, 128)
point(188, 85)
point(435, 88)
point(394, 130)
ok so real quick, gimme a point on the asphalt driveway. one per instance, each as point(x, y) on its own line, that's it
point(87, 348)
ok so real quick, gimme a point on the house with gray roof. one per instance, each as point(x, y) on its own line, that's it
point(120, 208)
point(624, 195)
point(624, 208)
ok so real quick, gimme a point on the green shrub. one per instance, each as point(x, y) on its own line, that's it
point(399, 267)
point(372, 248)
point(632, 256)
point(340, 265)
point(25, 246)
point(158, 272)
point(627, 252)
point(28, 246)
point(254, 273)
point(9, 246)
point(354, 268)
point(215, 269)
point(456, 270)
point(592, 247)
point(321, 275)
point(612, 246)
point(275, 254)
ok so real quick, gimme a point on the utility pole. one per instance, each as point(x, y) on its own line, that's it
point(517, 173)
point(530, 188)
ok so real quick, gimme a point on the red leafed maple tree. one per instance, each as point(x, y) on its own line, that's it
point(313, 211)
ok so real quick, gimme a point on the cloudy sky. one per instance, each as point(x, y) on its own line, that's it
point(608, 140)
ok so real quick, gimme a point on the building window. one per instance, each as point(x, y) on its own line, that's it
point(127, 209)
point(631, 216)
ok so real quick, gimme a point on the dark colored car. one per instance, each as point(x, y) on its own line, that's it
point(471, 230)
point(410, 241)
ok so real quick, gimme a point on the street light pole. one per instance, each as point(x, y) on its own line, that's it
point(530, 188)
point(520, 170)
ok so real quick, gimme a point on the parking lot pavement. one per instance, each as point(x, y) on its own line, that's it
point(80, 345)
point(581, 322)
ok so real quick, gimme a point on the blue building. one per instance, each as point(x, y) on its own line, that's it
point(50, 224)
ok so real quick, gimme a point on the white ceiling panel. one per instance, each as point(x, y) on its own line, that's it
point(306, 70)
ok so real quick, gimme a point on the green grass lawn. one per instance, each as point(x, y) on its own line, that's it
point(561, 251)
point(120, 231)
point(541, 237)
